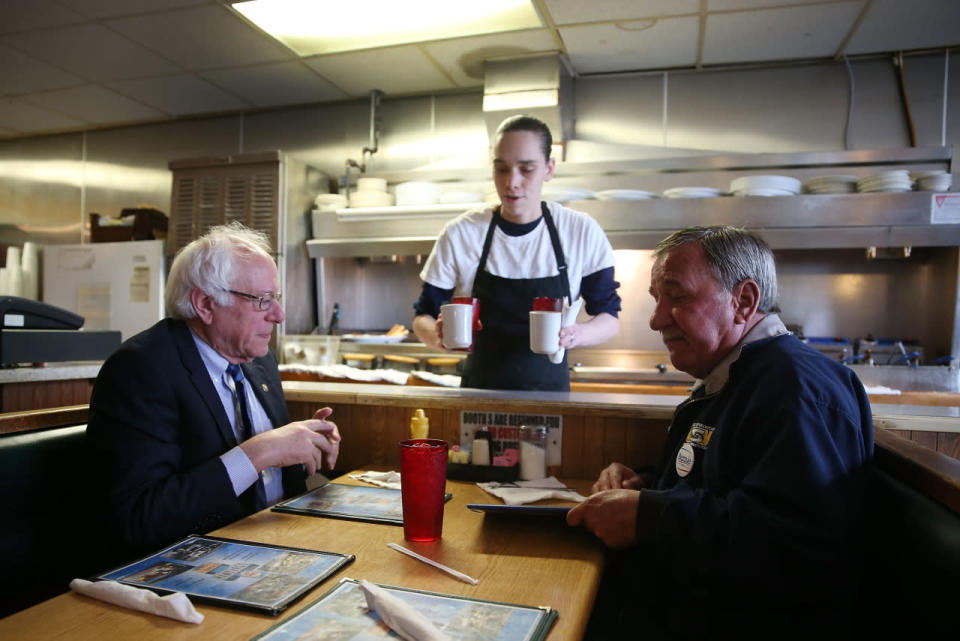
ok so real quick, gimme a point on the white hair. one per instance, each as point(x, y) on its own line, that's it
point(209, 264)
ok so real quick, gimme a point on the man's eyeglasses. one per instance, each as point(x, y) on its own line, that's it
point(263, 303)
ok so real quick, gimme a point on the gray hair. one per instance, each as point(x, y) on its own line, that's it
point(209, 263)
point(734, 254)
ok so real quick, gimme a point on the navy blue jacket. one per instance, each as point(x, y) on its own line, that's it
point(157, 429)
point(765, 527)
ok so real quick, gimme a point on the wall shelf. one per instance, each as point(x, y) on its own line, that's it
point(912, 219)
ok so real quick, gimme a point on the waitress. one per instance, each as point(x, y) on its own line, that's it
point(512, 253)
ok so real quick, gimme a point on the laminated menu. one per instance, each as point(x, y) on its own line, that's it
point(342, 613)
point(352, 502)
point(256, 576)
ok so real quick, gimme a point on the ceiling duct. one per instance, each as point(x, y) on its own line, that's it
point(539, 85)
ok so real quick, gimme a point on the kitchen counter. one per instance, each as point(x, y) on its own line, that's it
point(597, 427)
point(51, 372)
point(52, 385)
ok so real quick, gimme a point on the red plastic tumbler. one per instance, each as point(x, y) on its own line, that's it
point(423, 482)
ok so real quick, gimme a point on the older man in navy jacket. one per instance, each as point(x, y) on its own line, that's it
point(750, 527)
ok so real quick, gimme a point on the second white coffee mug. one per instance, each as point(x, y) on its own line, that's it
point(457, 325)
point(544, 332)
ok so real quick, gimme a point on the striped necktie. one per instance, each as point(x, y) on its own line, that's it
point(244, 426)
point(242, 417)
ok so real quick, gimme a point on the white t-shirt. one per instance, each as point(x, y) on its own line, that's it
point(453, 262)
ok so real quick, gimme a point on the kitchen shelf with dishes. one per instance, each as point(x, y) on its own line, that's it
point(830, 200)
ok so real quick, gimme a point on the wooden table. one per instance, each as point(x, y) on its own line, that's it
point(527, 561)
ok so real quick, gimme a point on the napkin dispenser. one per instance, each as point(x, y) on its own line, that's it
point(35, 332)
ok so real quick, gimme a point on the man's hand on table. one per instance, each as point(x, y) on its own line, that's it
point(611, 510)
point(309, 442)
point(611, 515)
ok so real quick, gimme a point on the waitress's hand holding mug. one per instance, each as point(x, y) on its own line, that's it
point(462, 315)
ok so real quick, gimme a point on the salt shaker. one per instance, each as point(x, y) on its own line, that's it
point(533, 452)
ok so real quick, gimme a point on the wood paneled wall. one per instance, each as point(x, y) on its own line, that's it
point(35, 395)
point(590, 440)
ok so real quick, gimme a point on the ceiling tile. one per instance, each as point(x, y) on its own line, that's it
point(777, 34)
point(575, 11)
point(90, 51)
point(728, 5)
point(400, 70)
point(273, 84)
point(22, 15)
point(23, 118)
point(179, 95)
point(463, 58)
point(95, 104)
point(893, 25)
point(202, 38)
point(20, 73)
point(114, 8)
point(643, 44)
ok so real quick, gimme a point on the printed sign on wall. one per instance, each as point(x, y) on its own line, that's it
point(505, 431)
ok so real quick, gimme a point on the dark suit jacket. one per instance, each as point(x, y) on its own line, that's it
point(157, 428)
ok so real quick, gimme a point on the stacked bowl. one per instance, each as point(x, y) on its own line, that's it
point(765, 186)
point(888, 181)
point(692, 192)
point(933, 180)
point(417, 192)
point(371, 192)
point(833, 184)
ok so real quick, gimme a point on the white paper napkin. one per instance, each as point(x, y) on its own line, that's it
point(383, 479)
point(399, 616)
point(532, 491)
point(175, 606)
point(568, 317)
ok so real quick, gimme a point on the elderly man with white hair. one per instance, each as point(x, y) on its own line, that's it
point(188, 425)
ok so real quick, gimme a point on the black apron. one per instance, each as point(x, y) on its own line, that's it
point(501, 357)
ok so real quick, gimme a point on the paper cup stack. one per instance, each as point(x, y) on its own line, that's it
point(371, 192)
point(933, 180)
point(21, 276)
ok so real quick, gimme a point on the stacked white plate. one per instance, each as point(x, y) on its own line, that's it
point(765, 186)
point(417, 192)
point(624, 194)
point(933, 180)
point(561, 194)
point(692, 192)
point(455, 197)
point(833, 184)
point(887, 181)
point(371, 192)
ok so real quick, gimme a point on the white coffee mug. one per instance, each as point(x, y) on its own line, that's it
point(544, 332)
point(457, 325)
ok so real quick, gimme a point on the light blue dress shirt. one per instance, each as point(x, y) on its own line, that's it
point(240, 469)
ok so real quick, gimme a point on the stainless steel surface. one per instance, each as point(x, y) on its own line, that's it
point(923, 378)
point(806, 221)
point(623, 375)
point(538, 85)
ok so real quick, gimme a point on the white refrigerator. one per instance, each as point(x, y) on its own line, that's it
point(112, 285)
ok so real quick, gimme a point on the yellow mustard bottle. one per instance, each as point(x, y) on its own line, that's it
point(419, 425)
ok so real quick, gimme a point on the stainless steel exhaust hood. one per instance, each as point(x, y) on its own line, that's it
point(539, 85)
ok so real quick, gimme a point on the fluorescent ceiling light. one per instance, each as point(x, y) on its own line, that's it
point(312, 27)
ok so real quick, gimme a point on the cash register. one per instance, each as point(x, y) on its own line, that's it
point(35, 332)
